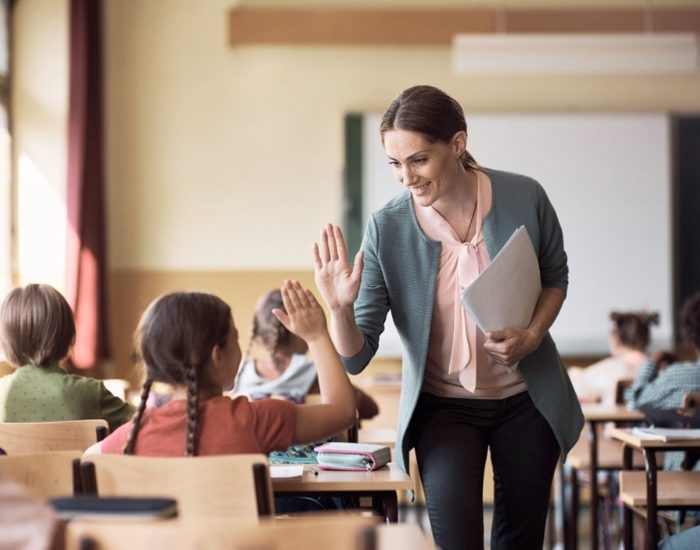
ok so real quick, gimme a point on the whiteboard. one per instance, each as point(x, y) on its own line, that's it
point(609, 179)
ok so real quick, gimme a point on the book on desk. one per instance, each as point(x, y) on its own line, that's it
point(667, 434)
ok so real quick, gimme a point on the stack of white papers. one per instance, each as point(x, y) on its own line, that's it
point(505, 294)
point(666, 434)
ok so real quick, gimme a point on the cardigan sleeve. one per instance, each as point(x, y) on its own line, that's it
point(372, 304)
point(554, 270)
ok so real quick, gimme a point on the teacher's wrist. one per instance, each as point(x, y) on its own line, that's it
point(534, 337)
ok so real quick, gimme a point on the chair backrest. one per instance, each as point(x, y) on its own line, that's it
point(37, 437)
point(620, 387)
point(691, 400)
point(230, 486)
point(340, 532)
point(46, 475)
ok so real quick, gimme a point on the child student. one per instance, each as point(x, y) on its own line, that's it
point(280, 366)
point(37, 331)
point(628, 343)
point(189, 340)
point(664, 388)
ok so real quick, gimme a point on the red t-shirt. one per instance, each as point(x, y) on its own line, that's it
point(226, 426)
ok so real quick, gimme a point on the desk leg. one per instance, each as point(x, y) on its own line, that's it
point(564, 506)
point(593, 442)
point(627, 511)
point(652, 534)
point(387, 503)
point(574, 510)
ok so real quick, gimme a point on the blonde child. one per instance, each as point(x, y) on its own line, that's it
point(189, 340)
point(37, 331)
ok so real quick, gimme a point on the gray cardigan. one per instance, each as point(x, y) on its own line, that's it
point(400, 271)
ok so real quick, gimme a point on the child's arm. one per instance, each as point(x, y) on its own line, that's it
point(304, 317)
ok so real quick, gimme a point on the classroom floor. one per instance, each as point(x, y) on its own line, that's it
point(418, 514)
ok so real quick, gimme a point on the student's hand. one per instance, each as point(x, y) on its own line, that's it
point(507, 347)
point(337, 283)
point(302, 314)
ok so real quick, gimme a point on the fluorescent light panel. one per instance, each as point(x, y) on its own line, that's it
point(625, 53)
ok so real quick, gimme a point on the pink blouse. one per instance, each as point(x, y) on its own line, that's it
point(457, 364)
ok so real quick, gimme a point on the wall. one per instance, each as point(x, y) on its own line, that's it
point(39, 110)
point(222, 161)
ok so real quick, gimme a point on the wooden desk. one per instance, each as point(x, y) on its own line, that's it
point(378, 436)
point(380, 484)
point(407, 536)
point(331, 531)
point(601, 456)
point(679, 489)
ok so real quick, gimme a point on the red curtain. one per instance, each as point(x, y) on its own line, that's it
point(86, 262)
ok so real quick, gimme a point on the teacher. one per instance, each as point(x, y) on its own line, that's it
point(463, 392)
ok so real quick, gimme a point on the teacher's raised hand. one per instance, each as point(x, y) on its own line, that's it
point(336, 281)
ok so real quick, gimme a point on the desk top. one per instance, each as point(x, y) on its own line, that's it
point(316, 479)
point(627, 436)
point(608, 413)
point(402, 535)
point(673, 488)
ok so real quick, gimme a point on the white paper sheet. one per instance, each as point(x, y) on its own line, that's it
point(286, 472)
point(505, 294)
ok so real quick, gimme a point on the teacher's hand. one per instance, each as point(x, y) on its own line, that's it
point(337, 283)
point(507, 347)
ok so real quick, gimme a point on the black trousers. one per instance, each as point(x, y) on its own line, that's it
point(451, 438)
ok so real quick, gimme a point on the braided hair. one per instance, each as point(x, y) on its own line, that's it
point(174, 341)
point(268, 330)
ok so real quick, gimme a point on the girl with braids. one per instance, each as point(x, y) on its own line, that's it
point(629, 340)
point(189, 340)
point(276, 365)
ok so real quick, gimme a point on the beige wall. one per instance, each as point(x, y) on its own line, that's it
point(223, 163)
point(39, 113)
point(223, 158)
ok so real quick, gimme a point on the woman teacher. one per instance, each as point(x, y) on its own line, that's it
point(460, 394)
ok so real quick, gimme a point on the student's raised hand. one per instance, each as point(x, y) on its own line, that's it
point(507, 347)
point(302, 314)
point(336, 281)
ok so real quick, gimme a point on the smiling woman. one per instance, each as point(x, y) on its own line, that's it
point(464, 392)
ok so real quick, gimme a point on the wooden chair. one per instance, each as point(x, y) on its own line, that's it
point(230, 486)
point(620, 387)
point(36, 437)
point(45, 475)
point(340, 532)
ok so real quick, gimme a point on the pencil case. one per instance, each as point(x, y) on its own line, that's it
point(352, 456)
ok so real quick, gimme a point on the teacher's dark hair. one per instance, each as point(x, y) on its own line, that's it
point(428, 111)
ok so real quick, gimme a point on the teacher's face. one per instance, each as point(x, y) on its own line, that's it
point(429, 170)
